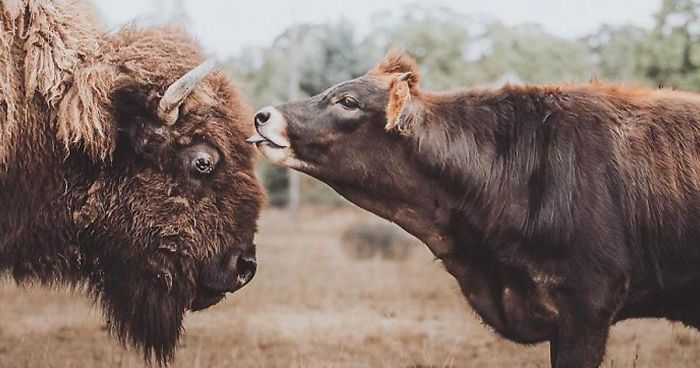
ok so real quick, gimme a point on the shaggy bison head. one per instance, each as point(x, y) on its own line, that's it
point(154, 206)
point(169, 225)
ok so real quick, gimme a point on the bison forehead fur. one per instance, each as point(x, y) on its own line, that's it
point(95, 191)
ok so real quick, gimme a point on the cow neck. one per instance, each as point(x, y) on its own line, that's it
point(421, 207)
point(451, 145)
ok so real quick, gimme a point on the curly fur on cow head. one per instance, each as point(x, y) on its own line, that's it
point(96, 190)
point(401, 72)
point(398, 62)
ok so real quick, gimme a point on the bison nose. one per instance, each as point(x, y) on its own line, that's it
point(233, 271)
point(262, 116)
point(246, 266)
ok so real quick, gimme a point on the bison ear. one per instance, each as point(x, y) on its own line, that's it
point(85, 121)
point(401, 112)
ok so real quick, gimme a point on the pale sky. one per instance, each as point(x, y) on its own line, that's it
point(225, 27)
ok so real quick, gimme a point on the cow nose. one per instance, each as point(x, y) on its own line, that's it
point(262, 117)
point(271, 130)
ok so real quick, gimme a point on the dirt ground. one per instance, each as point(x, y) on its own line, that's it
point(311, 305)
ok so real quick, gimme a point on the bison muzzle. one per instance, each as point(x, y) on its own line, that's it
point(123, 169)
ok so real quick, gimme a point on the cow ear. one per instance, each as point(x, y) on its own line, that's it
point(85, 120)
point(401, 112)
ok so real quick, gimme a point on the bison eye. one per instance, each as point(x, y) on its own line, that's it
point(349, 103)
point(203, 164)
point(200, 159)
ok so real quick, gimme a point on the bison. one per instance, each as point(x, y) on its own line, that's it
point(124, 169)
point(559, 210)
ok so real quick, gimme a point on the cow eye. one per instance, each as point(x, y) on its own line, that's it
point(203, 163)
point(349, 103)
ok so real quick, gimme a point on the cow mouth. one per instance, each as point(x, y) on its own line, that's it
point(278, 150)
point(261, 140)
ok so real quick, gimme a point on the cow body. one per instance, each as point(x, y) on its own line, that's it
point(582, 183)
point(559, 210)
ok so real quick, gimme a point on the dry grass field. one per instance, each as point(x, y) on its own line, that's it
point(311, 305)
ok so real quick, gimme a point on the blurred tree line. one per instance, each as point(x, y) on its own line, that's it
point(459, 51)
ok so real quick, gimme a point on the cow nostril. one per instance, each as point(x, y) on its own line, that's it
point(262, 117)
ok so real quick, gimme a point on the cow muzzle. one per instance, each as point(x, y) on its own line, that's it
point(224, 275)
point(271, 136)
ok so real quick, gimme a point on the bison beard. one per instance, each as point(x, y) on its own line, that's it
point(144, 316)
point(143, 298)
point(116, 178)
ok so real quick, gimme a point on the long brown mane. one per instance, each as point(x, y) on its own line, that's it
point(42, 46)
point(55, 57)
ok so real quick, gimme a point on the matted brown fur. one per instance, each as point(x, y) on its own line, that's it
point(94, 189)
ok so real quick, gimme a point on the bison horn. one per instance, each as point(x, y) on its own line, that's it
point(169, 106)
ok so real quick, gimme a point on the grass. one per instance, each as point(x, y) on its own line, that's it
point(310, 305)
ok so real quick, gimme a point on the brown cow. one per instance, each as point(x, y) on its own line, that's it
point(123, 168)
point(559, 210)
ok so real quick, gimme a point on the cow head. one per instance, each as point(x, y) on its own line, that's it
point(358, 137)
point(155, 204)
point(350, 136)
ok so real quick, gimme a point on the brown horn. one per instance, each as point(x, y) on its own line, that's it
point(169, 106)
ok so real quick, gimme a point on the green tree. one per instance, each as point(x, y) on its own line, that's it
point(535, 55)
point(674, 58)
point(621, 53)
point(437, 37)
point(458, 51)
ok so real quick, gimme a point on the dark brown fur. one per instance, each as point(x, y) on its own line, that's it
point(560, 210)
point(92, 187)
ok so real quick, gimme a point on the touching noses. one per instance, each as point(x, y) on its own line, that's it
point(271, 129)
point(269, 116)
point(263, 116)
